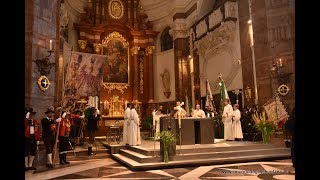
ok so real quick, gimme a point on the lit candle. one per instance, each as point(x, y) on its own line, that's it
point(50, 45)
point(280, 62)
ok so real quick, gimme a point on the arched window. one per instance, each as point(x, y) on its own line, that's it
point(166, 40)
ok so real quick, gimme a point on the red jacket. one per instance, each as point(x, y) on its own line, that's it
point(64, 127)
point(36, 129)
point(73, 116)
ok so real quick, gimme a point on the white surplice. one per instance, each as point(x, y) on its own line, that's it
point(227, 121)
point(237, 130)
point(134, 129)
point(198, 113)
point(126, 125)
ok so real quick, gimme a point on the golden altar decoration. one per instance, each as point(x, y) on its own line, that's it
point(116, 107)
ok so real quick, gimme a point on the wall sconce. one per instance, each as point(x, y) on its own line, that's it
point(43, 64)
point(97, 48)
point(82, 44)
point(277, 71)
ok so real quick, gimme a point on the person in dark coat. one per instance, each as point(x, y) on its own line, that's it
point(48, 135)
point(290, 126)
point(92, 128)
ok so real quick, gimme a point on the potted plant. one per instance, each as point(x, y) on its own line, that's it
point(166, 137)
point(265, 124)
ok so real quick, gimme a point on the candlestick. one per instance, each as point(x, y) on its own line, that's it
point(280, 62)
point(108, 105)
point(179, 119)
point(50, 45)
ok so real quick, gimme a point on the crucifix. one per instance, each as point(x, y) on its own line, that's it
point(237, 92)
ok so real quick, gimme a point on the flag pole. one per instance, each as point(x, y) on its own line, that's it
point(58, 129)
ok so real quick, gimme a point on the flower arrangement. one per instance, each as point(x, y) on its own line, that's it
point(166, 137)
point(265, 124)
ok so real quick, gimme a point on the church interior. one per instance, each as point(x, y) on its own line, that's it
point(191, 74)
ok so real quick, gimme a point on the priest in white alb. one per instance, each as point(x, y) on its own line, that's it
point(134, 129)
point(198, 113)
point(227, 120)
point(237, 130)
point(126, 124)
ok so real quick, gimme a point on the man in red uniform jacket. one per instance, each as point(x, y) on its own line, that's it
point(32, 137)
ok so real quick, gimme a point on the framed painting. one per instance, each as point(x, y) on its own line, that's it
point(116, 67)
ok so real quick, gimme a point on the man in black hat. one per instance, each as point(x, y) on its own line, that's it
point(92, 127)
point(32, 138)
point(48, 135)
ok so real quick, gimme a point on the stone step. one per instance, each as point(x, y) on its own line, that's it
point(134, 165)
point(200, 149)
point(234, 152)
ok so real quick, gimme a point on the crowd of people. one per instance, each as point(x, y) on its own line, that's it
point(62, 132)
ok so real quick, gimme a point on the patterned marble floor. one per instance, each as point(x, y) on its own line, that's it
point(109, 169)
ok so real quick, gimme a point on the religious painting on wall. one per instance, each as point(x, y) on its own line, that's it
point(83, 77)
point(116, 66)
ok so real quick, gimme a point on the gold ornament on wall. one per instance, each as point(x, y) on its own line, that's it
point(116, 9)
point(43, 83)
point(247, 93)
point(111, 86)
point(135, 50)
point(149, 49)
point(82, 44)
point(97, 48)
point(283, 89)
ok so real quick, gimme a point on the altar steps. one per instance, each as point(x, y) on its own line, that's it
point(137, 158)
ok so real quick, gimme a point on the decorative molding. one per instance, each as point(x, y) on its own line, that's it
point(135, 50)
point(216, 40)
point(201, 28)
point(115, 35)
point(112, 86)
point(215, 18)
point(179, 29)
point(97, 48)
point(82, 44)
point(149, 49)
point(230, 9)
point(116, 9)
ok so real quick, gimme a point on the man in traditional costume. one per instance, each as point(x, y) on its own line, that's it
point(198, 113)
point(32, 138)
point(48, 135)
point(227, 120)
point(237, 130)
point(92, 128)
point(134, 128)
point(126, 125)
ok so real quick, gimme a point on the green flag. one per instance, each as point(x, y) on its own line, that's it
point(223, 90)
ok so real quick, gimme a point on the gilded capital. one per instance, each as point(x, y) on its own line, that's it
point(135, 50)
point(97, 48)
point(149, 49)
point(82, 44)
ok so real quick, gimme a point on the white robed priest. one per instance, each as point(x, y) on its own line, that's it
point(198, 113)
point(156, 121)
point(237, 130)
point(134, 129)
point(227, 120)
point(180, 109)
point(126, 125)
